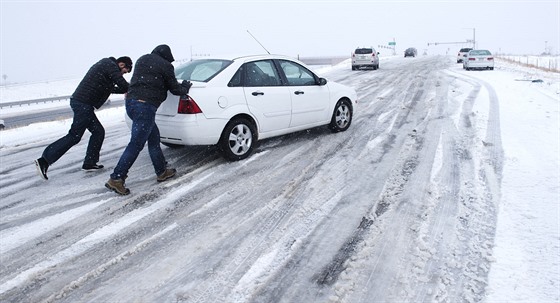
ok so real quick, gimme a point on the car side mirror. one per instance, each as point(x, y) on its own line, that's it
point(322, 81)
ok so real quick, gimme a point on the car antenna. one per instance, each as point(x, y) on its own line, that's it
point(258, 42)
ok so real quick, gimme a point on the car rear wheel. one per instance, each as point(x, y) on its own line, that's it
point(342, 116)
point(238, 139)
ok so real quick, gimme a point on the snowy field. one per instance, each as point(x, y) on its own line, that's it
point(547, 63)
point(70, 240)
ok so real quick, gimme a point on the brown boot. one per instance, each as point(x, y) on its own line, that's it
point(168, 173)
point(117, 185)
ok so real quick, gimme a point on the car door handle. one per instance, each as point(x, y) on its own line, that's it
point(298, 92)
point(257, 93)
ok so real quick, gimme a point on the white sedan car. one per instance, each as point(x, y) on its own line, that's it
point(478, 59)
point(236, 101)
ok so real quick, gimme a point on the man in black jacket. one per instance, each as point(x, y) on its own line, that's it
point(104, 78)
point(153, 76)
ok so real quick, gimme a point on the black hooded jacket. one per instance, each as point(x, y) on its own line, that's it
point(153, 76)
point(99, 82)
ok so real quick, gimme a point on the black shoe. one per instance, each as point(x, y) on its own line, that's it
point(92, 167)
point(42, 166)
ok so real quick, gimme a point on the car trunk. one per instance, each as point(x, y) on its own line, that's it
point(169, 106)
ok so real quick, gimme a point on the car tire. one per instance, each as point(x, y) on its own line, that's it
point(238, 139)
point(342, 116)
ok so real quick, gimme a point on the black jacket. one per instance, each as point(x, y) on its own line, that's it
point(99, 82)
point(153, 76)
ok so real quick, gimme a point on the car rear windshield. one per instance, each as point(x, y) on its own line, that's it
point(201, 70)
point(465, 50)
point(479, 53)
point(363, 51)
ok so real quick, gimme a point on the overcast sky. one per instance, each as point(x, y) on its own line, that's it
point(49, 40)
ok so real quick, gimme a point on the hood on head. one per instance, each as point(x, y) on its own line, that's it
point(164, 51)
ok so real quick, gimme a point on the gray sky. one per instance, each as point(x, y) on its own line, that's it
point(49, 40)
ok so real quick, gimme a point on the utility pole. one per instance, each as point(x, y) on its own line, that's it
point(473, 37)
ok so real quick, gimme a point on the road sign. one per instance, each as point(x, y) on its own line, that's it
point(392, 43)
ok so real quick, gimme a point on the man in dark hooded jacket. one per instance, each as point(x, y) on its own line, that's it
point(104, 78)
point(153, 76)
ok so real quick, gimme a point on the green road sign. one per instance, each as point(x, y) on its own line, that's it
point(392, 43)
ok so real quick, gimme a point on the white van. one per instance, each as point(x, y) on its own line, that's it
point(365, 57)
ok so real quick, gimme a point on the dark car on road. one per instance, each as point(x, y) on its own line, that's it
point(410, 52)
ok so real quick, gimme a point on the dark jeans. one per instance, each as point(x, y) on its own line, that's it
point(144, 129)
point(84, 118)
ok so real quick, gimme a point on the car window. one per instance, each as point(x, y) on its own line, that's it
point(201, 70)
point(236, 79)
point(363, 51)
point(260, 73)
point(479, 53)
point(297, 74)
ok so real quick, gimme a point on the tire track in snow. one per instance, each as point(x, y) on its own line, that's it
point(90, 241)
point(394, 187)
point(406, 209)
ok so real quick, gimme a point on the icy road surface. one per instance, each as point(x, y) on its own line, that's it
point(401, 207)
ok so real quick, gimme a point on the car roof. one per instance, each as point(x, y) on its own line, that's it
point(248, 57)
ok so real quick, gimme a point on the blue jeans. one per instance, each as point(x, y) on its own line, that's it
point(144, 129)
point(84, 118)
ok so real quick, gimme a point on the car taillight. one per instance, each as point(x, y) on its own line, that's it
point(490, 58)
point(472, 59)
point(353, 55)
point(187, 105)
point(373, 55)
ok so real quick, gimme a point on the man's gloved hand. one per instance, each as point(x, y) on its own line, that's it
point(187, 85)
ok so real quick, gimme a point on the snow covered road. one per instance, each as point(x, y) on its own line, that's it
point(401, 207)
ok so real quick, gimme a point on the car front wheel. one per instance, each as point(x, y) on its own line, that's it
point(238, 139)
point(342, 116)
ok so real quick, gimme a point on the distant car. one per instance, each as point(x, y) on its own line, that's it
point(478, 59)
point(2, 126)
point(234, 102)
point(365, 57)
point(462, 53)
point(410, 52)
